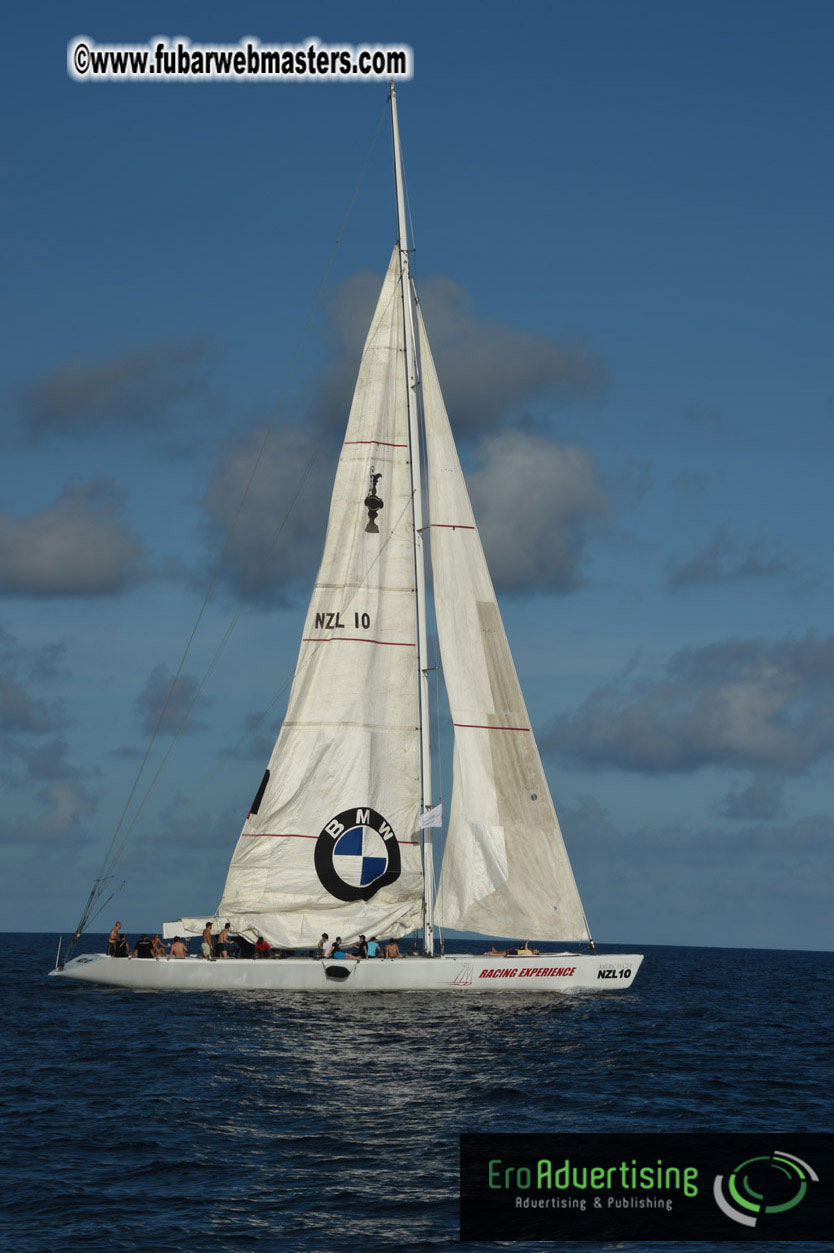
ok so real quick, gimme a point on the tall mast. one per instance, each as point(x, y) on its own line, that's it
point(413, 383)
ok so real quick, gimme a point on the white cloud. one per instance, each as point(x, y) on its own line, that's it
point(729, 559)
point(761, 799)
point(63, 808)
point(133, 389)
point(535, 502)
point(79, 546)
point(157, 700)
point(279, 534)
point(738, 704)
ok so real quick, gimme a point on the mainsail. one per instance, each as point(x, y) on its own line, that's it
point(505, 867)
point(332, 842)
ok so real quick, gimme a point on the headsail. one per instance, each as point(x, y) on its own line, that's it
point(505, 867)
point(332, 842)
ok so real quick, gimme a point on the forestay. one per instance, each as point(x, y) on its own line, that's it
point(332, 842)
point(505, 867)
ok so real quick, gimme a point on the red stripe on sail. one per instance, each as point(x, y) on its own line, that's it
point(354, 639)
point(276, 835)
point(380, 442)
point(293, 835)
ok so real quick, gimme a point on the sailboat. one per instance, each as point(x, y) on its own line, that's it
point(339, 836)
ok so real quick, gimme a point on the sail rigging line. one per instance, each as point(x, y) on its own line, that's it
point(106, 902)
point(413, 248)
point(106, 862)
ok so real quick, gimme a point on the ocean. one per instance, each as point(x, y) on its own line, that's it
point(318, 1123)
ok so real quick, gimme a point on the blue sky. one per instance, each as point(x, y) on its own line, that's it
point(624, 247)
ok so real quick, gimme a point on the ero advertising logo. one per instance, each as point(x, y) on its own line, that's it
point(721, 1186)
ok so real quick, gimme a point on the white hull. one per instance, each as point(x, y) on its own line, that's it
point(549, 972)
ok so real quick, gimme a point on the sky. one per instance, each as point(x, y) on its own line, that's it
point(623, 245)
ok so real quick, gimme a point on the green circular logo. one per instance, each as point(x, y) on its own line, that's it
point(763, 1185)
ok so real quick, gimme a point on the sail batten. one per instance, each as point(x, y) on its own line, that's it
point(505, 867)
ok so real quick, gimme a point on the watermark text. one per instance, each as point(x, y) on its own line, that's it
point(179, 60)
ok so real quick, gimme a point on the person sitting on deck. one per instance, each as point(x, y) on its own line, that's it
point(392, 949)
point(374, 949)
point(360, 950)
point(178, 948)
point(324, 948)
point(262, 947)
point(157, 947)
point(113, 939)
point(143, 947)
point(338, 953)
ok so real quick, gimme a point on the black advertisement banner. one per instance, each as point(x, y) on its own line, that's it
point(718, 1186)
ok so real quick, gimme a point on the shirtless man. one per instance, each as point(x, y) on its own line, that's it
point(113, 939)
point(178, 949)
point(223, 941)
point(208, 944)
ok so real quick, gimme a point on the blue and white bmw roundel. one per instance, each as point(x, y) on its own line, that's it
point(360, 856)
point(356, 854)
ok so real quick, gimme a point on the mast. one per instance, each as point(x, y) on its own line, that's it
point(412, 383)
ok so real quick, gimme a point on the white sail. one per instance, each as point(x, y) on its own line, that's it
point(332, 842)
point(505, 867)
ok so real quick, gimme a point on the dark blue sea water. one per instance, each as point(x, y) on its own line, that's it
point(208, 1122)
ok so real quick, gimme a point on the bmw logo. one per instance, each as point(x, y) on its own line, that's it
point(356, 854)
